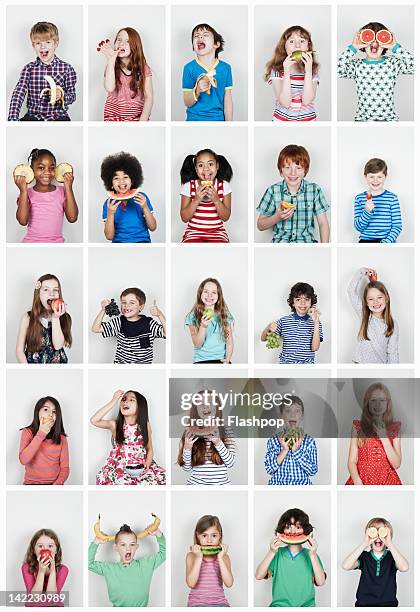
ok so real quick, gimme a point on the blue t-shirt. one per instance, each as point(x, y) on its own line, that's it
point(214, 345)
point(130, 225)
point(209, 107)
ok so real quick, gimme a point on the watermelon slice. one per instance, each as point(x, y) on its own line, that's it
point(203, 431)
point(210, 550)
point(367, 36)
point(384, 37)
point(121, 197)
point(293, 538)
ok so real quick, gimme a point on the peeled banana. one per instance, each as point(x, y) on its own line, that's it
point(206, 75)
point(53, 89)
point(149, 530)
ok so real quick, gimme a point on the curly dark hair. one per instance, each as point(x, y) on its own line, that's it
point(124, 162)
point(299, 516)
point(301, 289)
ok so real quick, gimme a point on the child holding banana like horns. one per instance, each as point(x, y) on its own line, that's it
point(128, 581)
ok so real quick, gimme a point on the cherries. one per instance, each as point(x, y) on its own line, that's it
point(100, 45)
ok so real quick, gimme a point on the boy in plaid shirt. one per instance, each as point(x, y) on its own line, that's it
point(32, 82)
point(291, 206)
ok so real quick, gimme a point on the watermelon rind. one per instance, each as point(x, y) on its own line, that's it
point(210, 550)
point(122, 196)
point(288, 538)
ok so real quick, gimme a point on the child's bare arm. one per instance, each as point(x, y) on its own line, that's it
point(98, 418)
point(148, 99)
point(96, 325)
point(193, 563)
point(353, 458)
point(23, 204)
point(262, 569)
point(324, 227)
point(228, 105)
point(70, 205)
point(271, 327)
point(21, 339)
point(351, 561)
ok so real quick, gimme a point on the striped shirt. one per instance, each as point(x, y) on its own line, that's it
point(375, 81)
point(296, 468)
point(383, 222)
point(31, 83)
point(210, 473)
point(134, 338)
point(296, 111)
point(297, 333)
point(45, 462)
point(309, 202)
point(208, 590)
point(379, 348)
point(205, 224)
point(121, 105)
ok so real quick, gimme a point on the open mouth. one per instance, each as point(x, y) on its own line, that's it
point(44, 54)
point(127, 557)
point(201, 46)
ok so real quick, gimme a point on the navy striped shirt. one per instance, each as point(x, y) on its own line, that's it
point(383, 222)
point(210, 473)
point(297, 333)
point(296, 468)
point(134, 338)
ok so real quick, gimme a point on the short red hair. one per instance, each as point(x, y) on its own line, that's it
point(294, 153)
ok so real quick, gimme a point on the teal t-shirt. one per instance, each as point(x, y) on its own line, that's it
point(214, 345)
point(293, 579)
point(128, 585)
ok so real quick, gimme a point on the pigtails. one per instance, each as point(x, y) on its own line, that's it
point(225, 171)
point(188, 172)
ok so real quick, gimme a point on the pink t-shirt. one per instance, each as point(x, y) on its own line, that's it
point(120, 105)
point(46, 216)
point(29, 580)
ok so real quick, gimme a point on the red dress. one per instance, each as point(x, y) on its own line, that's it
point(372, 463)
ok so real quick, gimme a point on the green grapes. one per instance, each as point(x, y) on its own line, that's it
point(272, 340)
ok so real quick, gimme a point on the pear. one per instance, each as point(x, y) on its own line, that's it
point(208, 312)
point(297, 55)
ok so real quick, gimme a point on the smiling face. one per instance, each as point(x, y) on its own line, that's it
point(296, 42)
point(293, 174)
point(44, 47)
point(302, 304)
point(206, 409)
point(122, 44)
point(130, 306)
point(121, 182)
point(47, 411)
point(292, 415)
point(376, 302)
point(203, 42)
point(209, 537)
point(293, 527)
point(206, 167)
point(45, 543)
point(128, 404)
point(44, 170)
point(209, 295)
point(378, 403)
point(375, 182)
point(126, 547)
point(49, 290)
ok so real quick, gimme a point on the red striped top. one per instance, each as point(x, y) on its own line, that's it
point(44, 461)
point(120, 105)
point(209, 587)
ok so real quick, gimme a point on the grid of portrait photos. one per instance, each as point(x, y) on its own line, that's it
point(209, 346)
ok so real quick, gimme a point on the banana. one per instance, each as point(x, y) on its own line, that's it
point(206, 75)
point(149, 530)
point(53, 89)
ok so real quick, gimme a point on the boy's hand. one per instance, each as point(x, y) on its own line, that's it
point(20, 182)
point(112, 205)
point(357, 43)
point(203, 84)
point(155, 310)
point(275, 544)
point(314, 313)
point(105, 303)
point(387, 540)
point(273, 326)
point(368, 541)
point(312, 546)
point(283, 443)
point(141, 200)
point(297, 444)
point(283, 214)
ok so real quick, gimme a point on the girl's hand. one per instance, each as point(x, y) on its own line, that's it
point(20, 182)
point(105, 303)
point(196, 550)
point(391, 43)
point(380, 429)
point(44, 565)
point(275, 544)
point(155, 310)
point(223, 552)
point(68, 179)
point(312, 546)
point(314, 313)
point(287, 64)
point(141, 200)
point(273, 326)
point(284, 213)
point(117, 395)
point(56, 314)
point(189, 440)
point(112, 205)
point(215, 437)
point(212, 194)
point(307, 61)
point(200, 193)
point(205, 321)
point(149, 460)
point(46, 425)
point(357, 43)
point(107, 49)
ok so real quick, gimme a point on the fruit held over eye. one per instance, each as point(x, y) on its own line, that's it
point(272, 340)
point(61, 170)
point(112, 309)
point(55, 303)
point(208, 312)
point(374, 532)
point(293, 434)
point(367, 36)
point(210, 550)
point(384, 37)
point(24, 170)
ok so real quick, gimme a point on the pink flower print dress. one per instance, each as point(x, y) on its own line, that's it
point(121, 467)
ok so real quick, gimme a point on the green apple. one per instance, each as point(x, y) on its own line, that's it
point(208, 312)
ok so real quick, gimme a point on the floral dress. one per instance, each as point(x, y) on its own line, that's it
point(47, 352)
point(132, 452)
point(372, 463)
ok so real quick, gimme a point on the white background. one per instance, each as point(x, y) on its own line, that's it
point(102, 385)
point(231, 508)
point(399, 19)
point(395, 270)
point(275, 276)
point(67, 147)
point(268, 507)
point(112, 271)
point(270, 23)
point(234, 146)
point(27, 512)
point(25, 266)
point(267, 146)
point(225, 20)
point(105, 22)
point(403, 406)
point(133, 508)
point(29, 386)
point(355, 509)
point(230, 269)
point(19, 50)
point(149, 150)
point(356, 145)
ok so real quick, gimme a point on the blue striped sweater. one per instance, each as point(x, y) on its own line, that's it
point(383, 222)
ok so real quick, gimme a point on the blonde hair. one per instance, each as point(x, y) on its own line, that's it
point(44, 29)
point(366, 314)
